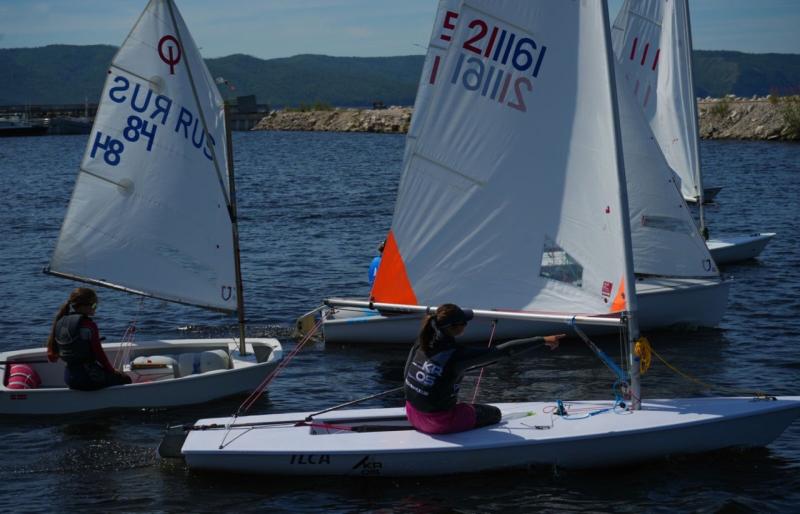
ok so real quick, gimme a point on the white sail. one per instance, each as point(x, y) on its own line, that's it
point(653, 48)
point(149, 212)
point(510, 194)
point(666, 242)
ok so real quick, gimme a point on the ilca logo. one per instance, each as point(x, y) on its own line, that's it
point(368, 466)
point(170, 52)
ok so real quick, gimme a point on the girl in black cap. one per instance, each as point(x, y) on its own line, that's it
point(437, 364)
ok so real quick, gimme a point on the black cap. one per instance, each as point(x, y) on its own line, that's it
point(455, 316)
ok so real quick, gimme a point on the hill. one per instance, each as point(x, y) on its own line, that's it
point(58, 74)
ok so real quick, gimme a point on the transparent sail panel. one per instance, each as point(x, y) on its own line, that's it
point(559, 265)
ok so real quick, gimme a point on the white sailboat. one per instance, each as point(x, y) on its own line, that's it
point(153, 213)
point(677, 281)
point(653, 47)
point(575, 181)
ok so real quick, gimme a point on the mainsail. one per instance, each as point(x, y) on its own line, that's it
point(510, 196)
point(653, 47)
point(150, 212)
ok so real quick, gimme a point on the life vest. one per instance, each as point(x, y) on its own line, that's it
point(22, 376)
point(429, 385)
point(74, 341)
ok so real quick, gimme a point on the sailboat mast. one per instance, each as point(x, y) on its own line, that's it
point(698, 176)
point(235, 229)
point(630, 278)
point(231, 197)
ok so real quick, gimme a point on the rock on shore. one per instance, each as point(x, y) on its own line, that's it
point(390, 120)
point(720, 118)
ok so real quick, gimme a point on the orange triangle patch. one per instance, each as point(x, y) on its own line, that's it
point(391, 282)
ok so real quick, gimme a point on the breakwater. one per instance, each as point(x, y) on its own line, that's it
point(757, 118)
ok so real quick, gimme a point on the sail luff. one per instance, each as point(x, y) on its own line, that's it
point(687, 26)
point(630, 280)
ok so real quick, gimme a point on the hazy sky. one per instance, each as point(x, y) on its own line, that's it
point(282, 28)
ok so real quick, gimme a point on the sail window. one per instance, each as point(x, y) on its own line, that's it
point(667, 223)
point(557, 264)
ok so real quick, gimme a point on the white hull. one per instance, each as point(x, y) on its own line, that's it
point(531, 436)
point(663, 303)
point(727, 250)
point(53, 397)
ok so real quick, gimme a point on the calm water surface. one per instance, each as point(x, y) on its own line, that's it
point(313, 208)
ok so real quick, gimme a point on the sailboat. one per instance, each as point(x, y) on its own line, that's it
point(653, 46)
point(153, 213)
point(575, 182)
point(474, 256)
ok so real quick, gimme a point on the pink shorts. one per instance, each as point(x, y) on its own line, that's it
point(458, 419)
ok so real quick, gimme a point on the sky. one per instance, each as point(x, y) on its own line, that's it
point(363, 28)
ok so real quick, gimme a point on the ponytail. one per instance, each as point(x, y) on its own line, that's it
point(52, 350)
point(427, 333)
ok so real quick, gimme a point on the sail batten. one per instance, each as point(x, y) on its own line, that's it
point(158, 221)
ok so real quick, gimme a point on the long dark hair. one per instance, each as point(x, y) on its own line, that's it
point(78, 296)
point(428, 331)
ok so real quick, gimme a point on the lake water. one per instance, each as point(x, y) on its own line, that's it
point(313, 207)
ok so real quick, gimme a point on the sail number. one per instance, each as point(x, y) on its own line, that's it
point(498, 65)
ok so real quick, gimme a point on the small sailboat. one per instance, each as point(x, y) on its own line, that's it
point(653, 47)
point(153, 213)
point(578, 202)
point(476, 252)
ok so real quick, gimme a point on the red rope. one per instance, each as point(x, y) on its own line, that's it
point(478, 383)
point(258, 391)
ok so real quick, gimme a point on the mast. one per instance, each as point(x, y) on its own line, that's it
point(231, 197)
point(235, 230)
point(630, 279)
point(698, 178)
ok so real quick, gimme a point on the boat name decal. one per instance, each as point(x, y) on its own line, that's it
point(310, 458)
point(494, 61)
point(148, 111)
point(368, 466)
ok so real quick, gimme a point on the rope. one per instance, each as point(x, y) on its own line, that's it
point(480, 375)
point(647, 348)
point(258, 391)
point(128, 337)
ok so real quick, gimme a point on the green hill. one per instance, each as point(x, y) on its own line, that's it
point(59, 74)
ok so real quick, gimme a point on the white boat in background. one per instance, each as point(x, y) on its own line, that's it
point(474, 251)
point(153, 213)
point(653, 47)
point(576, 154)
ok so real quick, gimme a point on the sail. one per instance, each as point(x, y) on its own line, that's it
point(666, 242)
point(653, 47)
point(510, 196)
point(149, 212)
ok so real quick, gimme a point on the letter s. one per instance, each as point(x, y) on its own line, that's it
point(124, 87)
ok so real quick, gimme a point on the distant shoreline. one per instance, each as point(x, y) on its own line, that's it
point(756, 118)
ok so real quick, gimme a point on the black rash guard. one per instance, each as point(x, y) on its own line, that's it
point(432, 381)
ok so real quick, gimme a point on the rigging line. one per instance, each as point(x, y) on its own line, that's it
point(353, 402)
point(480, 375)
point(600, 353)
point(250, 400)
point(707, 385)
point(129, 72)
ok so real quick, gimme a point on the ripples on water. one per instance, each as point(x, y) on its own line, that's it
point(313, 207)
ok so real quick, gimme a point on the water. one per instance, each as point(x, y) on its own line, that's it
point(314, 207)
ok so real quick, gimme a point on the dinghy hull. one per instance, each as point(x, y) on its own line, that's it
point(727, 250)
point(531, 436)
point(663, 304)
point(53, 398)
